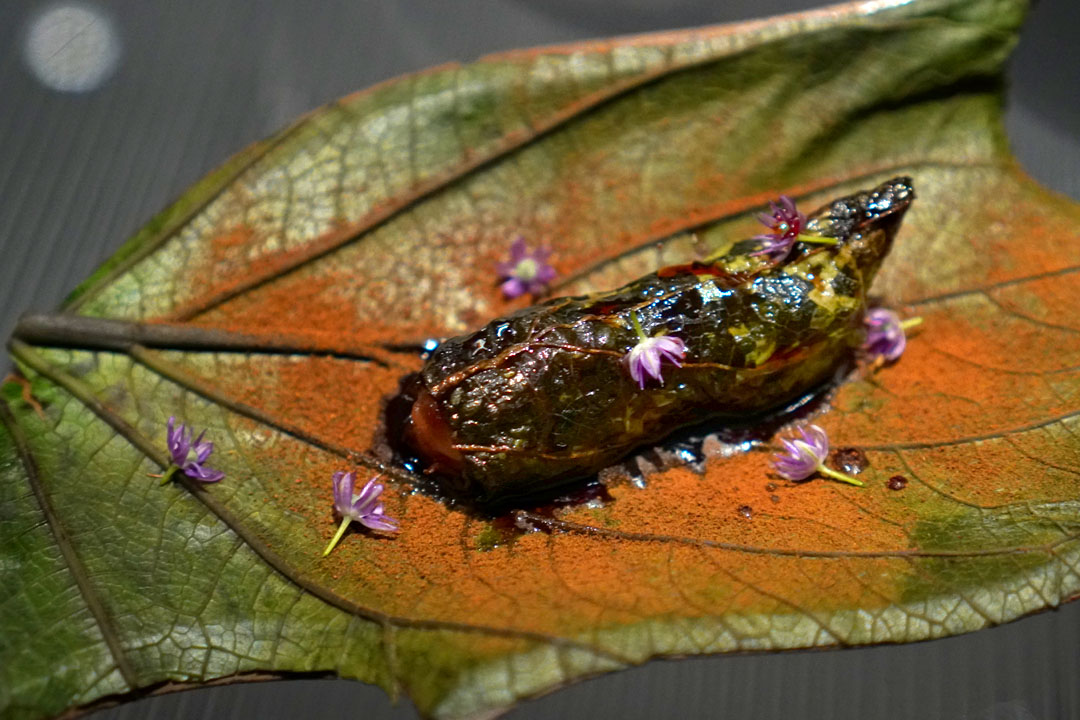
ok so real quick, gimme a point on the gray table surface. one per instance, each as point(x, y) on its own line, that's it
point(199, 79)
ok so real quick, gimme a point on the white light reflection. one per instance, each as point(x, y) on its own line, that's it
point(71, 47)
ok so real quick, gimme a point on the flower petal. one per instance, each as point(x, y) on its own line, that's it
point(545, 274)
point(202, 474)
point(513, 288)
point(802, 457)
point(203, 450)
point(816, 436)
point(178, 441)
point(368, 496)
point(650, 360)
point(634, 366)
point(505, 269)
point(672, 348)
point(380, 522)
point(518, 250)
point(885, 337)
point(343, 490)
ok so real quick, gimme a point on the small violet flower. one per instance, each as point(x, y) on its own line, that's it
point(364, 507)
point(180, 444)
point(526, 272)
point(885, 337)
point(646, 357)
point(786, 223)
point(803, 457)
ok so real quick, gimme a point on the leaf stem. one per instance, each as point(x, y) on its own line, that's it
point(910, 323)
point(337, 536)
point(168, 474)
point(839, 476)
point(816, 239)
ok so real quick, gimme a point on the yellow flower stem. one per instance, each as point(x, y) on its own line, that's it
point(337, 536)
point(839, 476)
point(637, 326)
point(910, 323)
point(169, 472)
point(816, 239)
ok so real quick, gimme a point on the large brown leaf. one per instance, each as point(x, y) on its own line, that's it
point(276, 304)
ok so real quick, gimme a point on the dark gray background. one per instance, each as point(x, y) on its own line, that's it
point(199, 79)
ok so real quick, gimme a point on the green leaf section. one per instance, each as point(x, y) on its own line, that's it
point(111, 583)
point(1043, 571)
point(178, 596)
point(52, 650)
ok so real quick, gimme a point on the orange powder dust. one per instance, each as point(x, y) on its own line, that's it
point(681, 547)
point(736, 539)
point(228, 246)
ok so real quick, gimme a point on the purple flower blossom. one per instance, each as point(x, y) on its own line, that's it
point(645, 357)
point(181, 446)
point(364, 507)
point(803, 457)
point(526, 272)
point(786, 222)
point(885, 336)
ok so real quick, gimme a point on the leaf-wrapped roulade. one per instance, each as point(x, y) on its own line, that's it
point(543, 396)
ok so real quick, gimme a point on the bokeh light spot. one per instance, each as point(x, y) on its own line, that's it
point(71, 47)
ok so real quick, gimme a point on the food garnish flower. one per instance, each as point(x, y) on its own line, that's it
point(646, 357)
point(181, 446)
point(803, 457)
point(364, 507)
point(786, 223)
point(885, 336)
point(527, 270)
